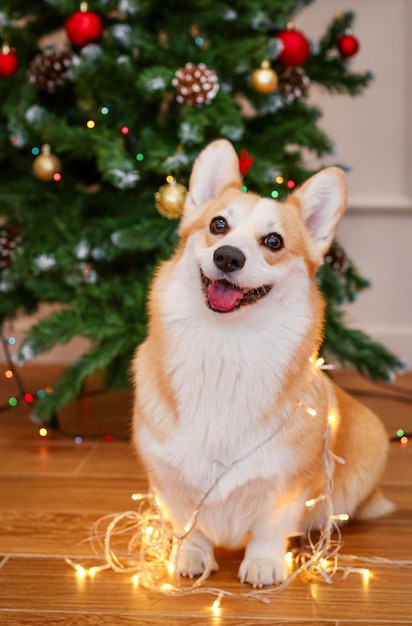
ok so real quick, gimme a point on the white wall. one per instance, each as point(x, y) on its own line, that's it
point(373, 135)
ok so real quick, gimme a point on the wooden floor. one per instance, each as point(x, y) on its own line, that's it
point(52, 489)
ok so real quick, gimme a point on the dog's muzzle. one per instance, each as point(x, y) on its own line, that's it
point(224, 296)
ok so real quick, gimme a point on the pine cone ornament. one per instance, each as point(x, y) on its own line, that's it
point(10, 239)
point(293, 84)
point(195, 84)
point(336, 258)
point(50, 69)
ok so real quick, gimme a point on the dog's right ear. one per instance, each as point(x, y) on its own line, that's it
point(215, 169)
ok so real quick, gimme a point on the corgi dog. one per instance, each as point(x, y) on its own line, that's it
point(225, 380)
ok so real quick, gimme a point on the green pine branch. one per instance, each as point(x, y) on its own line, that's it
point(70, 384)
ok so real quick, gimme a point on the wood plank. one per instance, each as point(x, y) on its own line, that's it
point(43, 456)
point(399, 467)
point(66, 457)
point(68, 493)
point(27, 584)
point(115, 459)
point(42, 618)
point(51, 532)
point(46, 532)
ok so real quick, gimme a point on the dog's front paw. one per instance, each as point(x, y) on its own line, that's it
point(261, 572)
point(193, 562)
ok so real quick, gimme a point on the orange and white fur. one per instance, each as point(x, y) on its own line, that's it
point(224, 379)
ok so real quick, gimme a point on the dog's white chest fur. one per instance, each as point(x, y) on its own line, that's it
point(227, 375)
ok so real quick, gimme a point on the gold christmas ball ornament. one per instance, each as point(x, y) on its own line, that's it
point(264, 79)
point(46, 165)
point(170, 198)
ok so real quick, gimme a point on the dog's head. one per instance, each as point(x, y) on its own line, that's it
point(243, 245)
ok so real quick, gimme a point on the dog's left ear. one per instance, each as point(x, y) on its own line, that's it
point(216, 168)
point(322, 201)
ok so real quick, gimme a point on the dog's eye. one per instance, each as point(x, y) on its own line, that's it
point(218, 226)
point(273, 241)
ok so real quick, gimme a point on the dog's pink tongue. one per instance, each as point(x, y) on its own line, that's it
point(223, 296)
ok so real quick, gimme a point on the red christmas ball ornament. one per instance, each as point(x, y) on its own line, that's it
point(9, 63)
point(296, 48)
point(348, 45)
point(84, 27)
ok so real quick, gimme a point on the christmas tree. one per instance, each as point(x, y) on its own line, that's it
point(100, 106)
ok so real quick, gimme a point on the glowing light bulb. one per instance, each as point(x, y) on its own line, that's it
point(216, 604)
point(311, 411)
point(149, 530)
point(80, 571)
point(342, 517)
point(404, 440)
point(171, 568)
point(279, 180)
point(135, 579)
point(137, 497)
point(90, 123)
point(310, 503)
point(43, 432)
point(170, 179)
point(166, 587)
point(365, 575)
point(289, 559)
point(8, 374)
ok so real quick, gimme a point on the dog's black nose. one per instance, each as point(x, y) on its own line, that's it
point(228, 259)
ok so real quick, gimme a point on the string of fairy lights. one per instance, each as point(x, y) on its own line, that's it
point(141, 544)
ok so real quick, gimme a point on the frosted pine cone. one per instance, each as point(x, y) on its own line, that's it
point(336, 258)
point(195, 84)
point(10, 241)
point(50, 69)
point(293, 83)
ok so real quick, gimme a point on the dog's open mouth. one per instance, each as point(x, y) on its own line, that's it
point(223, 296)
